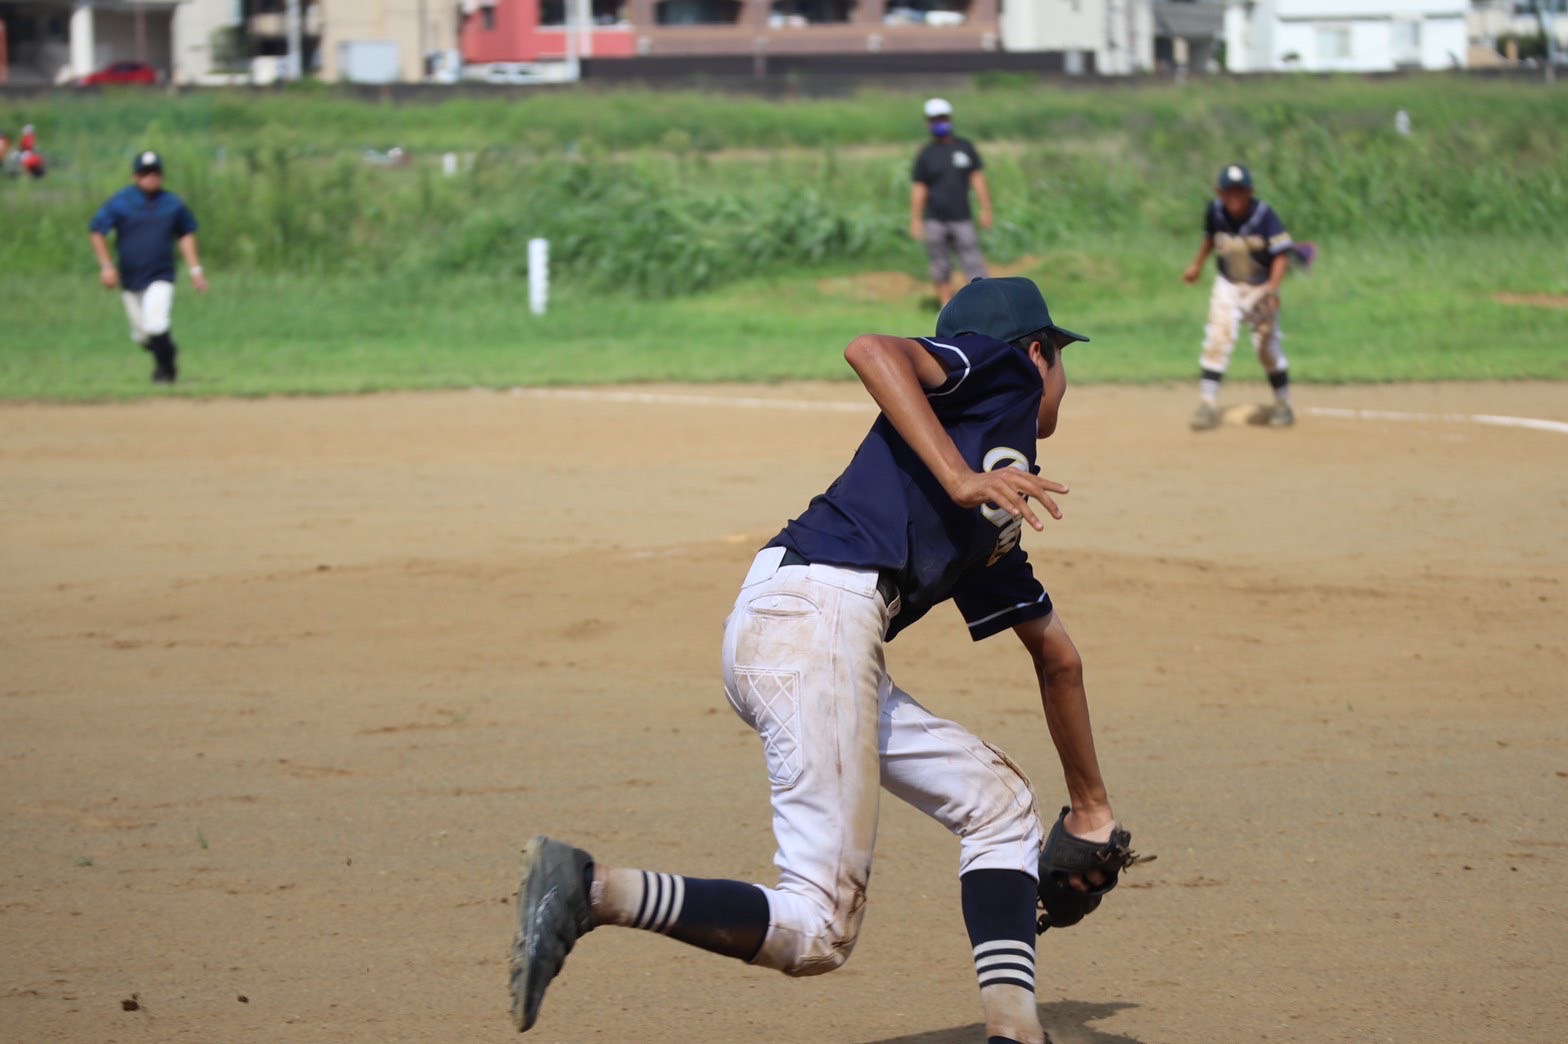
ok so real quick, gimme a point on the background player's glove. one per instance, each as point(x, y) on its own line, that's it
point(1061, 906)
point(1302, 255)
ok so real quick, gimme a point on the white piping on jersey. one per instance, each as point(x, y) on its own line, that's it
point(955, 351)
point(1003, 612)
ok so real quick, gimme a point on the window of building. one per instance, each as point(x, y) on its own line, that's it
point(697, 12)
point(808, 12)
point(1334, 43)
point(926, 12)
point(487, 18)
point(600, 12)
point(1407, 40)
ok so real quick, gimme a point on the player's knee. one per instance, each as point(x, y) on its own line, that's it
point(825, 950)
point(805, 939)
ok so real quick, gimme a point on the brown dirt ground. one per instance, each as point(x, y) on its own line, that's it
point(287, 683)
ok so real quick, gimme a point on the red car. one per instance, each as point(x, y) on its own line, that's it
point(121, 73)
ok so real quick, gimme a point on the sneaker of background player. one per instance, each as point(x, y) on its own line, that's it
point(1279, 415)
point(1206, 417)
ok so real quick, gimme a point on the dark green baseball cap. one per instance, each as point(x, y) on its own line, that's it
point(1006, 309)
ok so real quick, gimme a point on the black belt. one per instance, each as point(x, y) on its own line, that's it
point(887, 587)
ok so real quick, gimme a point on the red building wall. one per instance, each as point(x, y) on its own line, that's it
point(517, 37)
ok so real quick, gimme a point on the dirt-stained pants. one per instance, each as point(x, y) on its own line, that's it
point(803, 666)
point(1231, 305)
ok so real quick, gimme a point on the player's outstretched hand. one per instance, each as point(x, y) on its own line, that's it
point(1191, 275)
point(1008, 489)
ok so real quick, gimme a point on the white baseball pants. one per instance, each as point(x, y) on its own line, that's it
point(1231, 305)
point(149, 310)
point(803, 666)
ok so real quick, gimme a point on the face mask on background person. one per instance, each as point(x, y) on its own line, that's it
point(942, 128)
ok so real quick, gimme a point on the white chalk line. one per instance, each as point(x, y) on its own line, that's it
point(674, 399)
point(1492, 419)
point(828, 406)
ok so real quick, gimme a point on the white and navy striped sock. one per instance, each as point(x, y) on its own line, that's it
point(1005, 962)
point(663, 896)
point(728, 917)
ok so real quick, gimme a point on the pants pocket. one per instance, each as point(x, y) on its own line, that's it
point(769, 701)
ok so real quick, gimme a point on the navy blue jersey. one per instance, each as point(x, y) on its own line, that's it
point(1245, 249)
point(888, 512)
point(146, 229)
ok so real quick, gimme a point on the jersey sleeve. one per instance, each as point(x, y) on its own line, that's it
point(1274, 232)
point(978, 369)
point(974, 154)
point(1210, 224)
point(919, 171)
point(103, 221)
point(1001, 596)
point(184, 221)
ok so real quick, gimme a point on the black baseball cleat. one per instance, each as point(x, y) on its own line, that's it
point(552, 914)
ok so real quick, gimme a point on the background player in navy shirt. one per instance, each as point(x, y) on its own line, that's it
point(147, 222)
point(1253, 251)
point(939, 212)
point(929, 509)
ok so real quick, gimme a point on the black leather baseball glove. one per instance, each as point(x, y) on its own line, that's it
point(1062, 906)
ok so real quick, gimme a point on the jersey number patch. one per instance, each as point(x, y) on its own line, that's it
point(1011, 528)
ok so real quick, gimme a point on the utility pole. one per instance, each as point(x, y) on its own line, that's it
point(1543, 14)
point(296, 55)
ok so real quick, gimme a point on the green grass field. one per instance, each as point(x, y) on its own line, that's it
point(704, 237)
point(1367, 312)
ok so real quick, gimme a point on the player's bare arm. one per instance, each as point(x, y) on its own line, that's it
point(1059, 669)
point(896, 371)
point(1196, 268)
point(1277, 269)
point(983, 194)
point(193, 262)
point(917, 209)
point(108, 275)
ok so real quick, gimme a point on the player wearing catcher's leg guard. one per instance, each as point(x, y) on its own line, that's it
point(930, 508)
point(1253, 250)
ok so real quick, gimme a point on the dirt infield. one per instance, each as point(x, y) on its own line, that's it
point(287, 683)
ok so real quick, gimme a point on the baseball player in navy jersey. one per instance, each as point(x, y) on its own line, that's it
point(148, 222)
point(1253, 252)
point(929, 509)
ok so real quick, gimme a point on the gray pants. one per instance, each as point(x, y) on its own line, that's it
point(946, 237)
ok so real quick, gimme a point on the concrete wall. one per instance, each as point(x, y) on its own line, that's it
point(195, 21)
point(1118, 33)
point(416, 26)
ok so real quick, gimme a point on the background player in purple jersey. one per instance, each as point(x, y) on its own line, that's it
point(930, 508)
point(1253, 251)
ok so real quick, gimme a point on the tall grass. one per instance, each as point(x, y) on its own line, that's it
point(671, 194)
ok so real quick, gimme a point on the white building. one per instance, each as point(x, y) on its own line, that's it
point(60, 41)
point(1117, 34)
point(1345, 35)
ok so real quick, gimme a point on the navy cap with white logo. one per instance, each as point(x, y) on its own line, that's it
point(1234, 176)
point(146, 162)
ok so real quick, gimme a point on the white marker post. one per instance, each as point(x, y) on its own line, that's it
point(538, 275)
point(449, 164)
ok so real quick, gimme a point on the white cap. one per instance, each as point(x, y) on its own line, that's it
point(938, 107)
